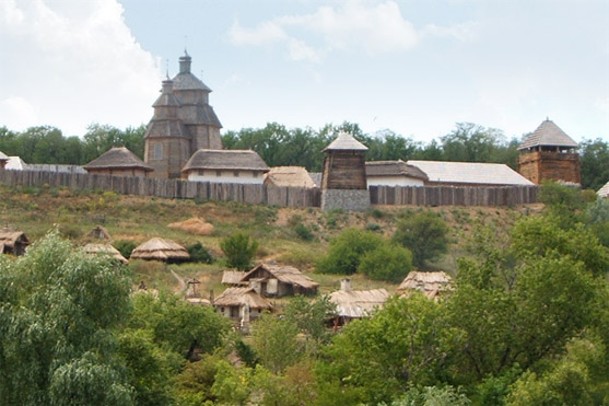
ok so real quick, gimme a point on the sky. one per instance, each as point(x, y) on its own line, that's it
point(412, 67)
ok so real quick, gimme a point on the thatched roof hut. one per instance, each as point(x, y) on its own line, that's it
point(289, 176)
point(355, 304)
point(279, 280)
point(13, 242)
point(99, 233)
point(241, 304)
point(233, 278)
point(118, 161)
point(431, 284)
point(105, 249)
point(158, 249)
point(604, 191)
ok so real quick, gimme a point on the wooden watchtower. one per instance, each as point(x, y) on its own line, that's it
point(343, 182)
point(549, 154)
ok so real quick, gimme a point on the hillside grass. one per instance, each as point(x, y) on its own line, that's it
point(297, 237)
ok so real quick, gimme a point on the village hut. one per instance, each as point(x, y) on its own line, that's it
point(13, 242)
point(241, 304)
point(289, 176)
point(394, 173)
point(99, 233)
point(105, 249)
point(3, 160)
point(225, 166)
point(118, 161)
point(158, 249)
point(355, 304)
point(233, 278)
point(432, 284)
point(604, 191)
point(278, 280)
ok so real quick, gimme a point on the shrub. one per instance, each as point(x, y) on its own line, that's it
point(239, 250)
point(198, 253)
point(346, 251)
point(389, 262)
point(125, 247)
point(424, 234)
point(303, 232)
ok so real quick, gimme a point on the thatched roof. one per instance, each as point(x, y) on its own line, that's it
point(99, 232)
point(355, 304)
point(431, 284)
point(233, 278)
point(241, 297)
point(394, 168)
point(105, 249)
point(3, 157)
point(285, 274)
point(345, 142)
point(219, 159)
point(118, 158)
point(476, 173)
point(194, 225)
point(161, 250)
point(548, 134)
point(9, 238)
point(604, 191)
point(289, 176)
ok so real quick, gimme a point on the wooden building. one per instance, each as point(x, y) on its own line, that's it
point(549, 154)
point(432, 284)
point(225, 166)
point(355, 304)
point(13, 242)
point(277, 281)
point(241, 304)
point(394, 173)
point(343, 182)
point(289, 176)
point(3, 160)
point(182, 123)
point(158, 249)
point(118, 161)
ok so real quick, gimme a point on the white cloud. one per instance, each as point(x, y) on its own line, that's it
point(463, 32)
point(351, 26)
point(74, 63)
point(19, 110)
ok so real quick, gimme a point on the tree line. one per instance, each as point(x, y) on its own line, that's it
point(279, 145)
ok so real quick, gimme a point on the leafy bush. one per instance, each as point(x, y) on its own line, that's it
point(347, 250)
point(125, 247)
point(303, 232)
point(389, 262)
point(239, 251)
point(198, 253)
point(424, 234)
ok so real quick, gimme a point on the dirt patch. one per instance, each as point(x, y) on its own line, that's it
point(194, 225)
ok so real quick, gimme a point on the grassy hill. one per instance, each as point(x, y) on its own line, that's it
point(295, 237)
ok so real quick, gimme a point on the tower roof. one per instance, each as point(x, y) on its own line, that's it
point(346, 142)
point(550, 135)
point(117, 157)
point(167, 98)
point(185, 80)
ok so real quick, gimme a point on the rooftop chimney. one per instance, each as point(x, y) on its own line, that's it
point(345, 285)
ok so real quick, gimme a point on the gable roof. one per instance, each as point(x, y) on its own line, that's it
point(548, 134)
point(117, 157)
point(3, 157)
point(431, 284)
point(358, 303)
point(346, 142)
point(15, 163)
point(226, 159)
point(160, 249)
point(232, 277)
point(394, 168)
point(285, 274)
point(9, 238)
point(241, 297)
point(604, 191)
point(470, 173)
point(289, 176)
point(105, 249)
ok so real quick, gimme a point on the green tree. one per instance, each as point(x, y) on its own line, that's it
point(347, 250)
point(310, 316)
point(594, 158)
point(276, 343)
point(389, 262)
point(239, 250)
point(424, 234)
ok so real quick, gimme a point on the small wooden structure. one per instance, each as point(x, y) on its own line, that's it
point(549, 154)
point(233, 278)
point(355, 304)
point(343, 182)
point(394, 173)
point(158, 249)
point(225, 166)
point(241, 304)
point(289, 176)
point(99, 233)
point(3, 160)
point(105, 249)
point(432, 284)
point(13, 242)
point(277, 281)
point(118, 161)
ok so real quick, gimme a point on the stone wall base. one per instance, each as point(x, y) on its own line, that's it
point(349, 199)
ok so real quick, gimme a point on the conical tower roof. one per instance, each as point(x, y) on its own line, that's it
point(548, 134)
point(167, 98)
point(346, 142)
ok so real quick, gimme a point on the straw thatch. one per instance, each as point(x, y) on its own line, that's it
point(13, 242)
point(233, 278)
point(194, 225)
point(99, 233)
point(242, 297)
point(105, 249)
point(355, 304)
point(289, 176)
point(431, 284)
point(160, 250)
point(279, 280)
point(604, 191)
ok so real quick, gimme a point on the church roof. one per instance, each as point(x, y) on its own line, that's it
point(185, 80)
point(164, 128)
point(548, 134)
point(346, 142)
point(117, 157)
point(205, 114)
point(167, 98)
point(226, 159)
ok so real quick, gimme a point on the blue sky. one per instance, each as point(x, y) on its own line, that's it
point(413, 67)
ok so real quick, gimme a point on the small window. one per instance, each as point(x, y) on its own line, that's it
point(255, 174)
point(236, 174)
point(218, 173)
point(157, 152)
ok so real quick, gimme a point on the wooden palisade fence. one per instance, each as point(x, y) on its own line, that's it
point(271, 195)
